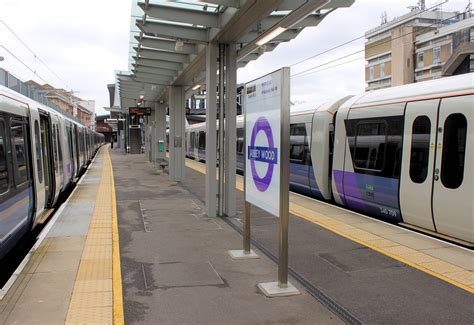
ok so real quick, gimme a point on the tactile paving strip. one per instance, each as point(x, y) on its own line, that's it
point(92, 298)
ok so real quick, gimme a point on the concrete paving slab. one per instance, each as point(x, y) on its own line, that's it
point(59, 261)
point(374, 295)
point(45, 300)
point(457, 257)
point(415, 241)
point(181, 273)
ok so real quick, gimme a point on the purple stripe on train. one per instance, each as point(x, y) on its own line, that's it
point(373, 195)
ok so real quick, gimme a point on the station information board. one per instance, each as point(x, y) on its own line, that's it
point(140, 111)
point(265, 106)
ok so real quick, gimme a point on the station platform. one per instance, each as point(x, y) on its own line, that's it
point(69, 275)
point(130, 246)
point(176, 268)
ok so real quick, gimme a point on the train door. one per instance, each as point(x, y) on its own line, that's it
point(436, 152)
point(78, 149)
point(453, 174)
point(58, 165)
point(37, 162)
point(46, 149)
point(71, 168)
point(417, 163)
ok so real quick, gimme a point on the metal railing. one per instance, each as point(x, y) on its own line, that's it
point(10, 81)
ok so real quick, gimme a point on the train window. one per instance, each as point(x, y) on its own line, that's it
point(4, 181)
point(420, 149)
point(371, 139)
point(375, 145)
point(19, 144)
point(55, 149)
point(298, 144)
point(39, 166)
point(69, 140)
point(60, 152)
point(240, 141)
point(192, 140)
point(454, 150)
point(202, 140)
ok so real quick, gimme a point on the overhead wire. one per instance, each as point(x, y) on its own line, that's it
point(328, 68)
point(23, 63)
point(34, 54)
point(352, 40)
point(369, 47)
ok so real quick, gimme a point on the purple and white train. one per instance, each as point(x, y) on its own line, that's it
point(403, 154)
point(41, 153)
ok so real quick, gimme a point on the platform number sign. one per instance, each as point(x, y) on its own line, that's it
point(263, 112)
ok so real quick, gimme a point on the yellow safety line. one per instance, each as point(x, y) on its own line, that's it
point(384, 252)
point(116, 268)
point(192, 165)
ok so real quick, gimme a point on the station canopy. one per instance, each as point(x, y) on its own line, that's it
point(168, 38)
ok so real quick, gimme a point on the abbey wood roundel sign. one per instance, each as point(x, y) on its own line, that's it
point(263, 112)
point(267, 154)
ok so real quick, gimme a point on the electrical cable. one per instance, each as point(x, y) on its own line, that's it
point(328, 68)
point(369, 47)
point(23, 63)
point(352, 40)
point(34, 54)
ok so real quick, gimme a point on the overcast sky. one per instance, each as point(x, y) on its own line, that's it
point(84, 42)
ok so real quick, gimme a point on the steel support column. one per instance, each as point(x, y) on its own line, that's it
point(177, 133)
point(211, 115)
point(146, 125)
point(221, 132)
point(152, 126)
point(160, 132)
point(230, 129)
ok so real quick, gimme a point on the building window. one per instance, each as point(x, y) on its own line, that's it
point(421, 60)
point(382, 70)
point(371, 73)
point(437, 55)
point(454, 150)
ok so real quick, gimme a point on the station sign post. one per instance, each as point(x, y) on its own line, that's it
point(267, 165)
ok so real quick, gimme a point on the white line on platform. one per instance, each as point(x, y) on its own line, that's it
point(42, 235)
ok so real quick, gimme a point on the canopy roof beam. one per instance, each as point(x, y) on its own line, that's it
point(161, 55)
point(158, 71)
point(170, 31)
point(153, 76)
point(181, 15)
point(166, 45)
point(226, 3)
point(158, 63)
point(145, 79)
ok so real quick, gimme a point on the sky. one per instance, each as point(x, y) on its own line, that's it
point(84, 42)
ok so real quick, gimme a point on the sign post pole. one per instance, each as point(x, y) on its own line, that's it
point(267, 165)
point(282, 287)
point(247, 252)
point(284, 179)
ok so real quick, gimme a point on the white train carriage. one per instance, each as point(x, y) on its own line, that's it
point(403, 154)
point(406, 154)
point(41, 153)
